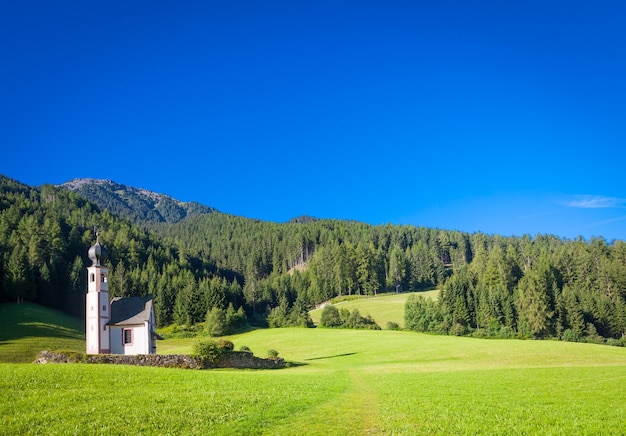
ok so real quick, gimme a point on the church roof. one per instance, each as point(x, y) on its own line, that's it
point(130, 310)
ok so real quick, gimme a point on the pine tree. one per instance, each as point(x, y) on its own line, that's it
point(17, 279)
point(533, 305)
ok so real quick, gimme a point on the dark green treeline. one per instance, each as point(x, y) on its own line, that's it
point(531, 288)
point(542, 286)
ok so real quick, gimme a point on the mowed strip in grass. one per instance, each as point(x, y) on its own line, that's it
point(383, 308)
point(343, 382)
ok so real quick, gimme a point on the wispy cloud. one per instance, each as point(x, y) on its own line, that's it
point(595, 202)
point(610, 221)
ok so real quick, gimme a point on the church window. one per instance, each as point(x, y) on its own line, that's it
point(92, 277)
point(127, 336)
point(104, 307)
point(103, 278)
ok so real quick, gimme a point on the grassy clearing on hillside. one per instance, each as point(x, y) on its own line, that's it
point(26, 329)
point(350, 382)
point(383, 308)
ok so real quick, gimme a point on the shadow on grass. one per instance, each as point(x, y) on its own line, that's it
point(19, 321)
point(330, 357)
point(38, 330)
point(294, 364)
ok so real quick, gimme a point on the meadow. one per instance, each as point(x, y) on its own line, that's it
point(26, 329)
point(340, 382)
point(384, 308)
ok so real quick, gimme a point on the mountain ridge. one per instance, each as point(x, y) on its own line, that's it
point(140, 205)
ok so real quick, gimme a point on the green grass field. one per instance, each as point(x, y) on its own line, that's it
point(350, 382)
point(383, 308)
point(26, 329)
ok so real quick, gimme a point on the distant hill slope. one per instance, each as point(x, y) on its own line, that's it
point(140, 205)
point(383, 308)
point(26, 329)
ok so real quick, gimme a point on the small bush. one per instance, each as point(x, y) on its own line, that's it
point(245, 348)
point(458, 329)
point(225, 345)
point(571, 336)
point(506, 332)
point(392, 325)
point(480, 333)
point(272, 354)
point(206, 349)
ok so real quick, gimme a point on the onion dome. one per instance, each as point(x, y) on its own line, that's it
point(97, 253)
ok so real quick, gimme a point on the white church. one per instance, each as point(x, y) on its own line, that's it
point(118, 326)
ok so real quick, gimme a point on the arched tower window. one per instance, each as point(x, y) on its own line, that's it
point(92, 277)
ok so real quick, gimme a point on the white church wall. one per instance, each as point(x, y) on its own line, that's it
point(132, 339)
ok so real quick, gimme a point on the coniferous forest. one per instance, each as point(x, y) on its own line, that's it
point(537, 286)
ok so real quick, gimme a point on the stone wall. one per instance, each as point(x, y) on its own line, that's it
point(244, 359)
point(228, 359)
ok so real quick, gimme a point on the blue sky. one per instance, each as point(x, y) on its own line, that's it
point(503, 117)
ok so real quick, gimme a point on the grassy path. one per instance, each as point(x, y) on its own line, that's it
point(352, 412)
point(367, 405)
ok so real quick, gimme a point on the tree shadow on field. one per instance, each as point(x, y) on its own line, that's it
point(294, 364)
point(38, 329)
point(331, 357)
point(29, 320)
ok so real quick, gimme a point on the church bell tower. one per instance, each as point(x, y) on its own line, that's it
point(98, 306)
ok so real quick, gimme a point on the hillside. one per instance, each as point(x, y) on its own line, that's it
point(26, 329)
point(530, 287)
point(383, 308)
point(140, 205)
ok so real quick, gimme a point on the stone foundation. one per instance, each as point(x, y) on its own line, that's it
point(228, 359)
